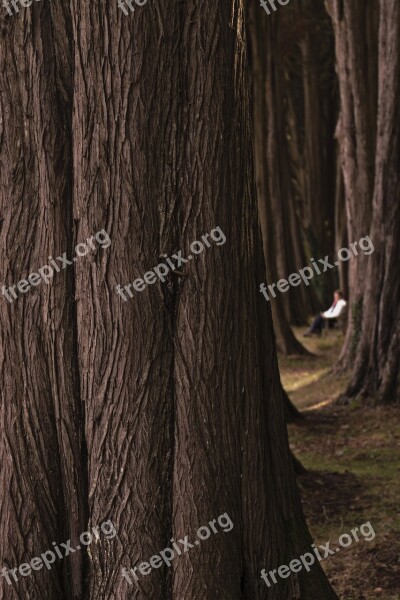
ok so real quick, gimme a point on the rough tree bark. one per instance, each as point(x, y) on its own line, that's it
point(183, 417)
point(127, 157)
point(376, 370)
point(41, 445)
point(216, 375)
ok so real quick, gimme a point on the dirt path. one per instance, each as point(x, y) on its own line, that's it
point(352, 455)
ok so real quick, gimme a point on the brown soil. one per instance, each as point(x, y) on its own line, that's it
point(352, 457)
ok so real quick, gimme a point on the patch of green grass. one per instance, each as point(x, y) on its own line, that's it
point(352, 454)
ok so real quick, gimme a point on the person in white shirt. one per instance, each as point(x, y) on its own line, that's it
point(337, 308)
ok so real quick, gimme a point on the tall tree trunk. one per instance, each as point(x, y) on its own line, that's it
point(376, 371)
point(260, 47)
point(355, 35)
point(221, 426)
point(306, 51)
point(266, 142)
point(319, 117)
point(127, 155)
point(183, 414)
point(42, 449)
point(299, 223)
point(341, 239)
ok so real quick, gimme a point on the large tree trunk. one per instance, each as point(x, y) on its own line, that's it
point(213, 341)
point(355, 25)
point(127, 154)
point(42, 449)
point(376, 371)
point(183, 416)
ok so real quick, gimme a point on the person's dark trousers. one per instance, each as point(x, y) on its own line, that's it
point(318, 325)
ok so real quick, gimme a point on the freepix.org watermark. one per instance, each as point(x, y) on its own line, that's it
point(168, 554)
point(307, 273)
point(49, 557)
point(267, 4)
point(46, 272)
point(125, 4)
point(305, 561)
point(14, 8)
point(161, 270)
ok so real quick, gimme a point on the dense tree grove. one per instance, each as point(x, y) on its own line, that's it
point(161, 410)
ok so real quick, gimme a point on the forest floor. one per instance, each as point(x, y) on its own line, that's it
point(352, 455)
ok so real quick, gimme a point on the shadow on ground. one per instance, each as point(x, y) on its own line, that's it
point(352, 457)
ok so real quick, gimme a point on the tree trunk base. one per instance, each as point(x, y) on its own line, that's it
point(292, 413)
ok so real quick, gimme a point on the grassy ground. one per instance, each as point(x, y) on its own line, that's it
point(352, 455)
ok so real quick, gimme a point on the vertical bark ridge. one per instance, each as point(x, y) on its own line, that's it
point(232, 452)
point(125, 161)
point(206, 478)
point(41, 446)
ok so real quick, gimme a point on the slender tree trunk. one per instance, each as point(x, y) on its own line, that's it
point(306, 52)
point(376, 371)
point(305, 301)
point(341, 239)
point(355, 35)
point(259, 33)
point(319, 116)
point(267, 168)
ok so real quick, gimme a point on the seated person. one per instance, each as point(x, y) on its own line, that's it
point(337, 308)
